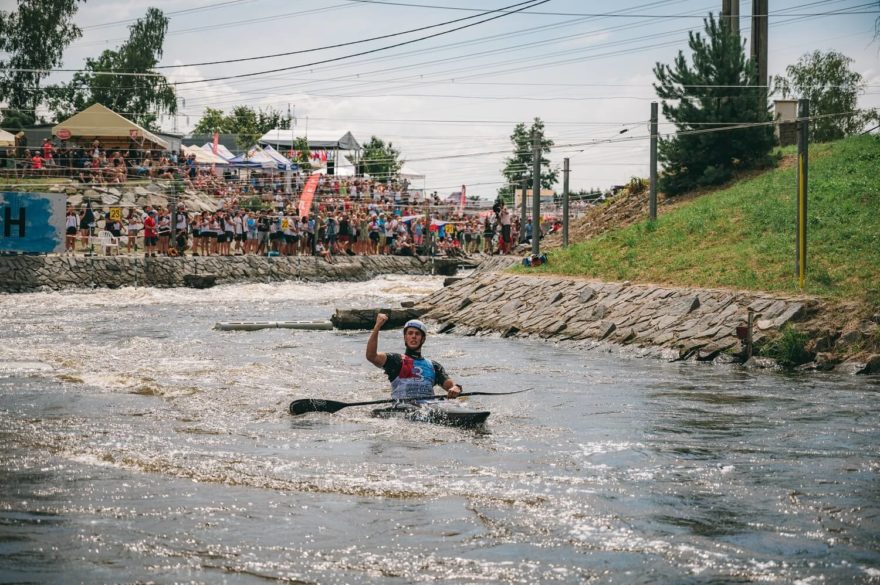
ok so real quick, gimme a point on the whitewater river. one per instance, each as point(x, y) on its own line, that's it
point(139, 445)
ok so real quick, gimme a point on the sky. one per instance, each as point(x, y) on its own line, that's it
point(449, 103)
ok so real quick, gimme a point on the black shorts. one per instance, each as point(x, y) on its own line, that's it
point(71, 231)
point(151, 240)
point(374, 236)
point(197, 233)
point(221, 238)
point(239, 237)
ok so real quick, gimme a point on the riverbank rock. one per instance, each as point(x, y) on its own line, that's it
point(696, 324)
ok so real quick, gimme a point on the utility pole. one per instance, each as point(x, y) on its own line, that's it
point(759, 49)
point(536, 195)
point(803, 157)
point(565, 202)
point(730, 14)
point(523, 208)
point(652, 197)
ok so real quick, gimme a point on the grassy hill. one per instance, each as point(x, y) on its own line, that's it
point(743, 236)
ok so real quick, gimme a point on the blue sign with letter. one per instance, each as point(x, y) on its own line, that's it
point(32, 222)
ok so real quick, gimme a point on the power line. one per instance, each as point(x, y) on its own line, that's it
point(594, 14)
point(343, 57)
point(336, 46)
point(173, 13)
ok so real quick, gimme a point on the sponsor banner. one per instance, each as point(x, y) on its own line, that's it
point(32, 222)
point(305, 202)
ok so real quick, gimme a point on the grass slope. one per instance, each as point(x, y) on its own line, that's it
point(743, 236)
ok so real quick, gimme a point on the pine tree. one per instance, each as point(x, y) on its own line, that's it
point(719, 113)
point(519, 167)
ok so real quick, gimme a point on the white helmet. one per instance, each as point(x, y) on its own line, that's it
point(416, 324)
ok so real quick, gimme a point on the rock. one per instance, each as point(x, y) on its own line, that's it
point(450, 279)
point(510, 307)
point(851, 368)
point(599, 311)
point(763, 363)
point(826, 362)
point(850, 337)
point(872, 365)
point(820, 344)
point(510, 332)
point(686, 306)
point(200, 280)
point(586, 294)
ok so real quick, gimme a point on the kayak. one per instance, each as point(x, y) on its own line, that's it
point(443, 412)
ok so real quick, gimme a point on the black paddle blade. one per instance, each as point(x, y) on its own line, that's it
point(315, 405)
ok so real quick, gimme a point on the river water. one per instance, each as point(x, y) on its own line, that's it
point(140, 445)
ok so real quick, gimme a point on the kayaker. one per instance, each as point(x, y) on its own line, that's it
point(410, 374)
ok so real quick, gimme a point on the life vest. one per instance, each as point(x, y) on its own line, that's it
point(415, 380)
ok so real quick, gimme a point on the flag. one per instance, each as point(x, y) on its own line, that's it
point(463, 199)
point(216, 142)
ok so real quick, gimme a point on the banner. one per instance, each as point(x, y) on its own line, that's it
point(305, 201)
point(463, 199)
point(215, 142)
point(32, 222)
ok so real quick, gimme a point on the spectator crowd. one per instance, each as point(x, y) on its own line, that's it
point(257, 211)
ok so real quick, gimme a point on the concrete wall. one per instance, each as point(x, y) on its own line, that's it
point(32, 273)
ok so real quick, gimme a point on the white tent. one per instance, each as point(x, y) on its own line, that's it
point(406, 172)
point(222, 151)
point(256, 156)
point(6, 139)
point(283, 162)
point(202, 157)
point(344, 171)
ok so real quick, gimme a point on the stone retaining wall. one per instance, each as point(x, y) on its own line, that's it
point(31, 273)
point(696, 323)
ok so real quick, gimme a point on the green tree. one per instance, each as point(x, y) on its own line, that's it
point(32, 40)
point(303, 154)
point(519, 166)
point(706, 101)
point(833, 90)
point(140, 94)
point(212, 120)
point(245, 122)
point(381, 161)
point(15, 120)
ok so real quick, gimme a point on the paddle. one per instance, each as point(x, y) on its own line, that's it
point(305, 405)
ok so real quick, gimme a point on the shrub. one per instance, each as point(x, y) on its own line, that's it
point(788, 349)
